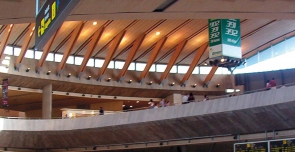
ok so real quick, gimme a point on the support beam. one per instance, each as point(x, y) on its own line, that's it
point(209, 76)
point(194, 63)
point(131, 55)
point(70, 45)
point(152, 58)
point(172, 60)
point(115, 44)
point(25, 45)
point(5, 38)
point(46, 50)
point(91, 47)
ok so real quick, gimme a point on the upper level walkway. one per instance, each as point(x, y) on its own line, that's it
point(245, 114)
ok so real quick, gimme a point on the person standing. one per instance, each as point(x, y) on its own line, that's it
point(162, 103)
point(152, 104)
point(101, 111)
point(191, 98)
point(268, 86)
point(185, 99)
point(273, 83)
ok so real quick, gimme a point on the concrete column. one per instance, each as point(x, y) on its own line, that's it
point(47, 102)
point(175, 99)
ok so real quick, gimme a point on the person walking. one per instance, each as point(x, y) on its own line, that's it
point(185, 99)
point(191, 98)
point(101, 111)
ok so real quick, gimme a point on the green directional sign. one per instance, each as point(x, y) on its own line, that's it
point(224, 38)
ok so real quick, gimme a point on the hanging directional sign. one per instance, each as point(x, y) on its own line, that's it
point(224, 38)
point(50, 18)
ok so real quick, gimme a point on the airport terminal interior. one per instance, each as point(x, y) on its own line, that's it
point(147, 75)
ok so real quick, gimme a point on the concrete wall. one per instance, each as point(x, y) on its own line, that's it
point(108, 106)
point(11, 113)
point(56, 112)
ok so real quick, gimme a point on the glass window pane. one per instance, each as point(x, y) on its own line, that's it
point(222, 70)
point(99, 63)
point(161, 67)
point(17, 51)
point(279, 48)
point(252, 60)
point(29, 54)
point(78, 60)
point(90, 63)
point(119, 64)
point(38, 55)
point(111, 65)
point(290, 44)
point(58, 57)
point(182, 68)
point(152, 68)
point(70, 60)
point(131, 66)
point(140, 66)
point(196, 70)
point(49, 57)
point(8, 50)
point(173, 69)
point(266, 54)
point(205, 69)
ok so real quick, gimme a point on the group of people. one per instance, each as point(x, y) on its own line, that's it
point(162, 103)
point(271, 84)
point(187, 98)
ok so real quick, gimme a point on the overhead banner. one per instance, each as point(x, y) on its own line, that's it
point(224, 38)
point(4, 92)
point(50, 18)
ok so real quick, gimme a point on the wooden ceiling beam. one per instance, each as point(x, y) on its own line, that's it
point(172, 60)
point(152, 58)
point(46, 50)
point(91, 47)
point(25, 45)
point(5, 38)
point(194, 63)
point(70, 45)
point(131, 55)
point(114, 46)
point(210, 76)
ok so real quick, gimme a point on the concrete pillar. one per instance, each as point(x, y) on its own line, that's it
point(175, 99)
point(47, 102)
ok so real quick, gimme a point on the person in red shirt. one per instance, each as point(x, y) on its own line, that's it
point(273, 83)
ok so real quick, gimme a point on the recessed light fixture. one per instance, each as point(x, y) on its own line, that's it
point(131, 106)
point(28, 69)
point(123, 105)
point(130, 81)
point(89, 77)
point(150, 83)
point(109, 79)
point(217, 86)
point(222, 60)
point(194, 85)
point(137, 101)
point(94, 23)
point(158, 33)
point(69, 75)
point(205, 63)
point(48, 72)
point(172, 84)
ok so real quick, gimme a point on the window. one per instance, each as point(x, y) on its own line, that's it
point(90, 63)
point(58, 57)
point(140, 66)
point(99, 63)
point(152, 68)
point(16, 51)
point(119, 64)
point(266, 54)
point(182, 69)
point(50, 57)
point(161, 67)
point(205, 69)
point(290, 44)
point(111, 65)
point(173, 69)
point(131, 66)
point(196, 70)
point(29, 54)
point(70, 60)
point(8, 50)
point(78, 60)
point(279, 48)
point(38, 55)
point(252, 60)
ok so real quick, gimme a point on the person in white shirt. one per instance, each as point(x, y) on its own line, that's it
point(185, 99)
